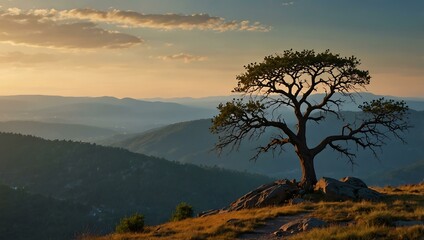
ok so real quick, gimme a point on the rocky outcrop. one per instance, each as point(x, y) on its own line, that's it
point(276, 193)
point(288, 192)
point(354, 182)
point(300, 225)
point(348, 188)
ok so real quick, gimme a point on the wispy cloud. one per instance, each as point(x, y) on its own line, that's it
point(187, 58)
point(161, 21)
point(77, 28)
point(41, 28)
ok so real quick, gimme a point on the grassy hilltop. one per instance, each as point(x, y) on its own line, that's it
point(348, 220)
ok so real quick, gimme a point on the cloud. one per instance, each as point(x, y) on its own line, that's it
point(77, 28)
point(187, 58)
point(26, 59)
point(161, 21)
point(40, 28)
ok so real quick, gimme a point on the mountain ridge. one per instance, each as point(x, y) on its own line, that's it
point(61, 131)
point(123, 115)
point(192, 141)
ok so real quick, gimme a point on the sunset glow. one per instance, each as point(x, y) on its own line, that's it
point(195, 48)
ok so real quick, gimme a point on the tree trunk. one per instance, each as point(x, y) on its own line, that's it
point(309, 178)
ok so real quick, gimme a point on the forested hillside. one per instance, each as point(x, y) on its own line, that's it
point(115, 182)
point(28, 216)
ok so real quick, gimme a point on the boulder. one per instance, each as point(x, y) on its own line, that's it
point(348, 188)
point(300, 225)
point(354, 182)
point(368, 194)
point(335, 189)
point(276, 193)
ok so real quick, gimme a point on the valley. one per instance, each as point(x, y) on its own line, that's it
point(63, 166)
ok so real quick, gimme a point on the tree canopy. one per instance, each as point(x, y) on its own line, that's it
point(290, 80)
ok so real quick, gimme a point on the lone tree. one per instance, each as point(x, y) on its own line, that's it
point(289, 80)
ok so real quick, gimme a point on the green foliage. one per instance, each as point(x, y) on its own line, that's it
point(115, 182)
point(233, 112)
point(279, 69)
point(182, 211)
point(133, 224)
point(383, 106)
point(32, 216)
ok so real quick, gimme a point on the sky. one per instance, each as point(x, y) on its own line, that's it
point(195, 48)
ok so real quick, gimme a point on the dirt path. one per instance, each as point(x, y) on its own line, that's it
point(266, 232)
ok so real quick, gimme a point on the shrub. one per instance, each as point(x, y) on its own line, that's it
point(135, 223)
point(182, 211)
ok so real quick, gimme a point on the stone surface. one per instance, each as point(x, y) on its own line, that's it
point(335, 189)
point(354, 181)
point(347, 189)
point(276, 193)
point(288, 192)
point(300, 225)
point(368, 194)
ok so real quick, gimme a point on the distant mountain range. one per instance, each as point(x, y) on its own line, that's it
point(192, 142)
point(95, 118)
point(123, 115)
point(213, 102)
point(113, 182)
point(61, 131)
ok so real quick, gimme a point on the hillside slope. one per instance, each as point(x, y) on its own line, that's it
point(59, 131)
point(115, 182)
point(412, 173)
point(192, 142)
point(346, 220)
point(28, 216)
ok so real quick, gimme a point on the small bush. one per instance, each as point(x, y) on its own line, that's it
point(182, 211)
point(135, 223)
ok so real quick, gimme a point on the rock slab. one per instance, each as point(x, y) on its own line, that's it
point(348, 188)
point(276, 193)
point(300, 225)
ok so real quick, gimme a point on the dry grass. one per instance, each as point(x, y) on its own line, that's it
point(348, 220)
point(366, 220)
point(219, 226)
point(358, 232)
